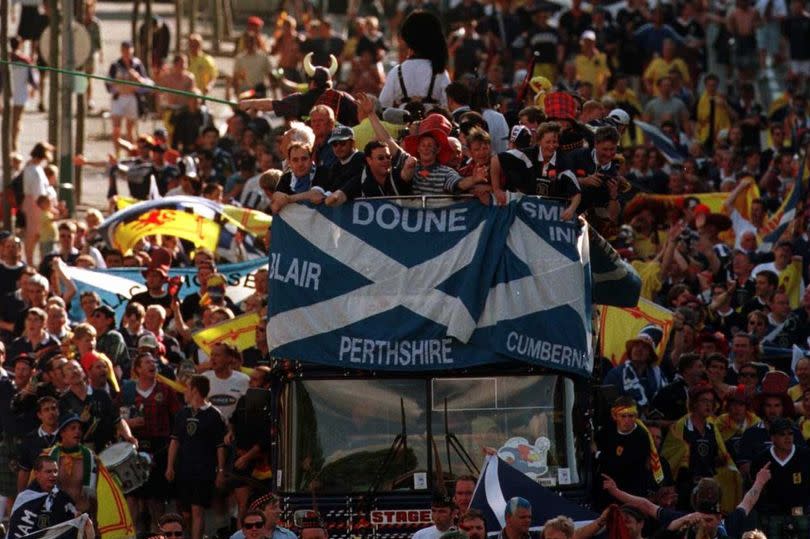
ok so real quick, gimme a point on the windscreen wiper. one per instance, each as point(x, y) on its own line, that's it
point(452, 442)
point(400, 443)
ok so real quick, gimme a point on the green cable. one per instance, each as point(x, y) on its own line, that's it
point(126, 82)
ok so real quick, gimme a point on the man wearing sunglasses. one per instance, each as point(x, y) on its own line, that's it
point(253, 525)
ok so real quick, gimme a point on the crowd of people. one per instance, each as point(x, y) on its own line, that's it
point(707, 434)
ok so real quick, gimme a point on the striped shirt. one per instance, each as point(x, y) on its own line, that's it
point(435, 179)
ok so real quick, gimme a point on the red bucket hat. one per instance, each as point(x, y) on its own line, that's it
point(438, 128)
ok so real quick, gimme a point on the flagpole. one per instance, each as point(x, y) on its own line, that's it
point(137, 84)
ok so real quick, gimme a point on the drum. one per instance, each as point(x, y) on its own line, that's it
point(127, 465)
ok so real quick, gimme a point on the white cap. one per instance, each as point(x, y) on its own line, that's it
point(589, 34)
point(619, 116)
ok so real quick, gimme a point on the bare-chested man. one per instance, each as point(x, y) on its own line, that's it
point(177, 77)
point(742, 22)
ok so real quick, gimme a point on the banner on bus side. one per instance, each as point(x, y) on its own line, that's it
point(381, 285)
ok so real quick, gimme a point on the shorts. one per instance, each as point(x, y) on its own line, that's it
point(195, 492)
point(745, 52)
point(768, 37)
point(125, 106)
point(800, 67)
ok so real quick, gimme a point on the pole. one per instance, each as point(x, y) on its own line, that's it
point(216, 14)
point(194, 7)
point(178, 20)
point(54, 117)
point(66, 127)
point(5, 138)
point(149, 31)
point(81, 112)
point(136, 7)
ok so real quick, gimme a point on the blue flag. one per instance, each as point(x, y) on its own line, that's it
point(499, 482)
point(116, 286)
point(383, 286)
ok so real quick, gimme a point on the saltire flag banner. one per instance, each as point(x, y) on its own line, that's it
point(776, 225)
point(113, 518)
point(116, 286)
point(662, 142)
point(618, 325)
point(239, 331)
point(64, 530)
point(252, 221)
point(384, 286)
point(499, 482)
point(200, 231)
point(615, 282)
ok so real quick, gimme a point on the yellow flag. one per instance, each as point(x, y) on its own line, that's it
point(618, 325)
point(252, 221)
point(790, 281)
point(113, 518)
point(239, 331)
point(713, 200)
point(124, 202)
point(174, 384)
point(200, 231)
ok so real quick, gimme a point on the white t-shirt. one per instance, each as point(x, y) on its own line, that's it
point(225, 393)
point(19, 85)
point(741, 225)
point(431, 532)
point(498, 130)
point(35, 183)
point(416, 73)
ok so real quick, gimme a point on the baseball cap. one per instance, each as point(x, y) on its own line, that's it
point(589, 34)
point(341, 133)
point(619, 117)
point(148, 340)
point(520, 136)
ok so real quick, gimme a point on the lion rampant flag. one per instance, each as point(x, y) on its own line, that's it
point(253, 221)
point(200, 231)
point(618, 325)
point(113, 518)
point(239, 331)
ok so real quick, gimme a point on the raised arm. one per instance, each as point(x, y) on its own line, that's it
point(642, 504)
point(365, 104)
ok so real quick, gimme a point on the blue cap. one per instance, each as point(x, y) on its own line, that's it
point(341, 133)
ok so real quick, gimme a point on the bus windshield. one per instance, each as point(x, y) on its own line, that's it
point(341, 436)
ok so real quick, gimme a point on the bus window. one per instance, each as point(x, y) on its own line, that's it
point(527, 420)
point(338, 433)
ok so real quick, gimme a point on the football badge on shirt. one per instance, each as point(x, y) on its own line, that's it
point(191, 427)
point(797, 478)
point(619, 450)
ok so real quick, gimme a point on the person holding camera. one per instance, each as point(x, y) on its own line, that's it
point(597, 175)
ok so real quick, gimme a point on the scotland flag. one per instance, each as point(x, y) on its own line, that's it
point(380, 285)
point(499, 482)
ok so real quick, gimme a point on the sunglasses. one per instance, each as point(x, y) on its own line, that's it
point(748, 375)
point(173, 534)
point(253, 525)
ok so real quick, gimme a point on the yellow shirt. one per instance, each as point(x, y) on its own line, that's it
point(363, 132)
point(204, 69)
point(594, 70)
point(646, 248)
point(660, 68)
point(721, 118)
point(650, 273)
